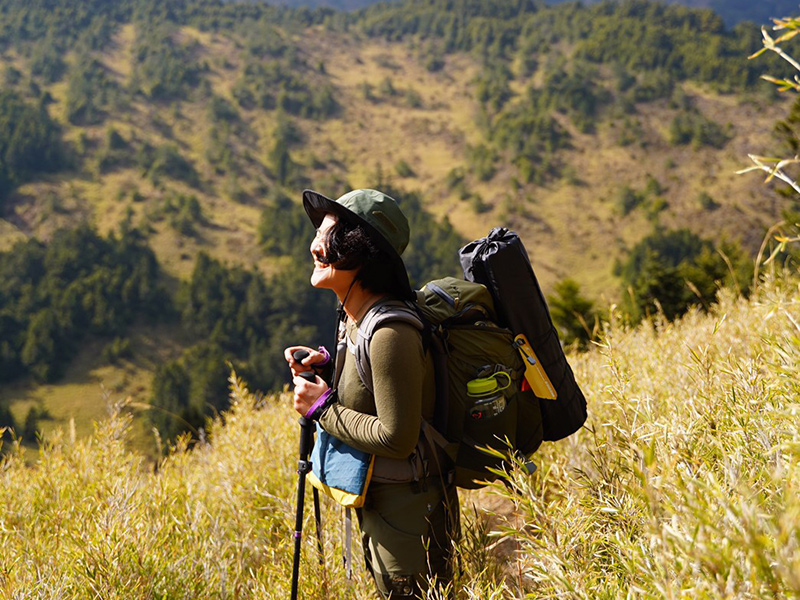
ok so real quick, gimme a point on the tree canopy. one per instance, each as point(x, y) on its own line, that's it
point(55, 295)
point(30, 142)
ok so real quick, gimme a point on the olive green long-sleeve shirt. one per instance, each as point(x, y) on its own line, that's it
point(388, 423)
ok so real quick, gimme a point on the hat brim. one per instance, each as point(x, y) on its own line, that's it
point(317, 206)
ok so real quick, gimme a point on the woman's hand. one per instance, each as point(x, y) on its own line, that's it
point(307, 364)
point(307, 392)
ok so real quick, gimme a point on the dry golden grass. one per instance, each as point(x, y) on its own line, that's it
point(683, 484)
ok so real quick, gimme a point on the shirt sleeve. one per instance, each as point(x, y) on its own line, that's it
point(398, 372)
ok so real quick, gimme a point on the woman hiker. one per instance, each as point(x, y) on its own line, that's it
point(410, 516)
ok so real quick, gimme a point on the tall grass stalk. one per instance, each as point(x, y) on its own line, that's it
point(685, 483)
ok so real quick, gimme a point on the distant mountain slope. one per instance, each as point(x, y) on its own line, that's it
point(192, 127)
point(732, 11)
point(736, 11)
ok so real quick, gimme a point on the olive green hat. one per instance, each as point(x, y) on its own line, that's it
point(378, 213)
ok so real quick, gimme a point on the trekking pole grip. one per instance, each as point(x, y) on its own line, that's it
point(299, 355)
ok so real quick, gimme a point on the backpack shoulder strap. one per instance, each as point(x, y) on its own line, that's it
point(404, 312)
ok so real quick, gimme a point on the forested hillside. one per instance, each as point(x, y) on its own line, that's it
point(152, 156)
point(736, 11)
point(732, 11)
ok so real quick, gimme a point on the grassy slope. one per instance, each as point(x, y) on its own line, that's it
point(683, 484)
point(570, 229)
point(83, 396)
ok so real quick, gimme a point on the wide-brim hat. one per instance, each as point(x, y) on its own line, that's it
point(381, 218)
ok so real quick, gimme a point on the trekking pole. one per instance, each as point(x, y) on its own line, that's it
point(303, 467)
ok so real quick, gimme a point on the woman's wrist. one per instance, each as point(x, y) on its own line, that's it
point(319, 406)
point(327, 357)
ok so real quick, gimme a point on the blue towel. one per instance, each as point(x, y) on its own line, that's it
point(340, 470)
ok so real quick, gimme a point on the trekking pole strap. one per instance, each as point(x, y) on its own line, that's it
point(318, 524)
point(348, 543)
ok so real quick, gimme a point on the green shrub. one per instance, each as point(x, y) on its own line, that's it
point(182, 212)
point(283, 228)
point(492, 87)
point(167, 161)
point(413, 98)
point(707, 202)
point(7, 425)
point(90, 93)
point(482, 161)
point(691, 127)
point(30, 430)
point(573, 315)
point(386, 87)
point(220, 110)
point(671, 271)
point(114, 151)
point(162, 68)
point(47, 60)
point(119, 348)
point(403, 169)
point(627, 200)
point(478, 204)
point(434, 63)
point(652, 86)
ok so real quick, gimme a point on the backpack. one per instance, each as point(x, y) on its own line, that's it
point(487, 411)
point(457, 319)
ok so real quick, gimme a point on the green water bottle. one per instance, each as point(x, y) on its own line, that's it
point(488, 393)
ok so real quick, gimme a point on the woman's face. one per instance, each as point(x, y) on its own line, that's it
point(326, 275)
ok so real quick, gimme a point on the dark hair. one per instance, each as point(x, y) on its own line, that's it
point(350, 247)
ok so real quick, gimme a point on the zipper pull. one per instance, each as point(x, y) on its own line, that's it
point(520, 344)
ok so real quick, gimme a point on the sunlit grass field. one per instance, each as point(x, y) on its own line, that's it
point(685, 483)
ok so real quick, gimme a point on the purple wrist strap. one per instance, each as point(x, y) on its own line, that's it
point(321, 401)
point(327, 356)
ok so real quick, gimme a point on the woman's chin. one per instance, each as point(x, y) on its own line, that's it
point(319, 277)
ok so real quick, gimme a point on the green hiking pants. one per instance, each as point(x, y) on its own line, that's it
point(408, 531)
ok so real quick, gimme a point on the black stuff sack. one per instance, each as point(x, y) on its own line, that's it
point(500, 262)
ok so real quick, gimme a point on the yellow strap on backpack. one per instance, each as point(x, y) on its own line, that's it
point(534, 373)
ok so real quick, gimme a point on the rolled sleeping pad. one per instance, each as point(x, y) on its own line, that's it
point(500, 262)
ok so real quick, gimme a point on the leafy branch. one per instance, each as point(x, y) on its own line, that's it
point(775, 167)
point(791, 25)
